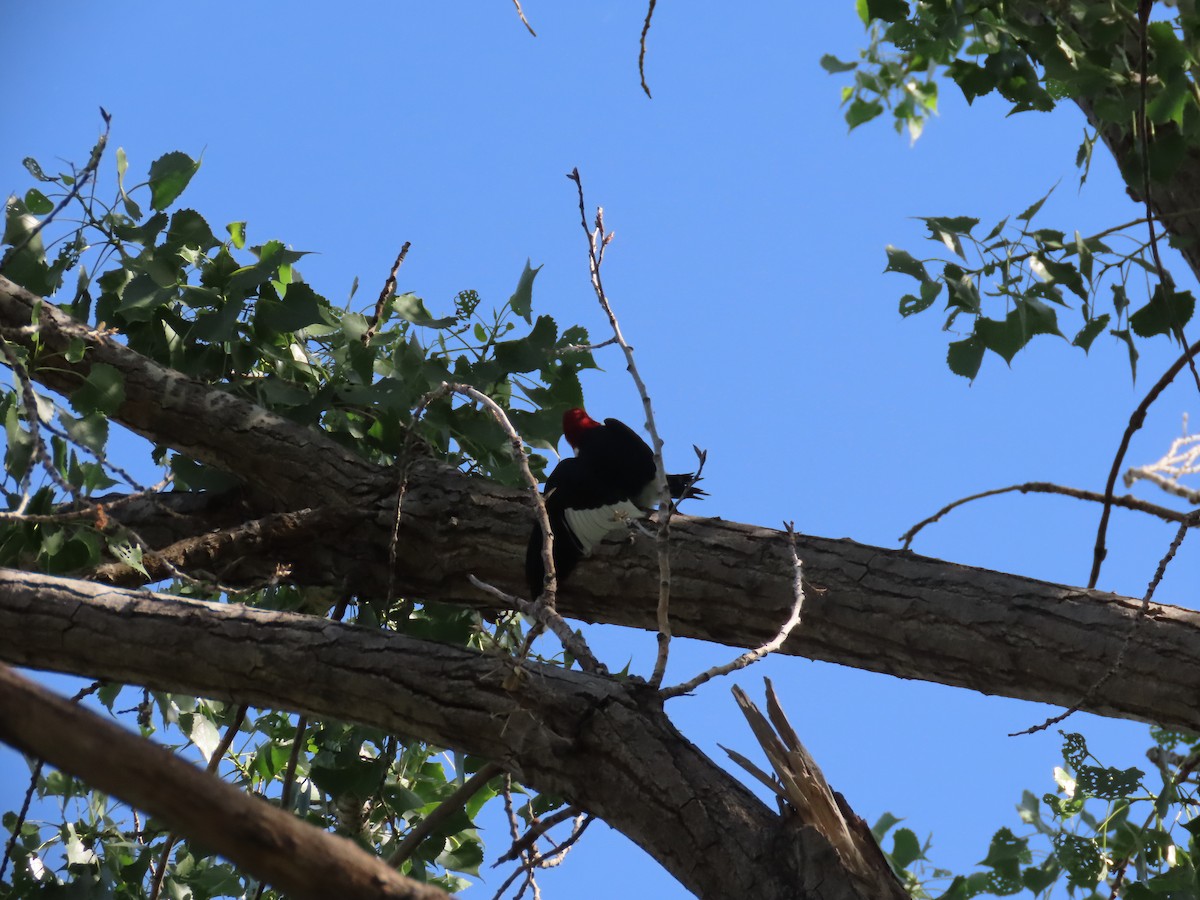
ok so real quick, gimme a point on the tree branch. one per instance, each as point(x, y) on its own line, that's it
point(299, 858)
point(607, 745)
point(881, 610)
point(873, 608)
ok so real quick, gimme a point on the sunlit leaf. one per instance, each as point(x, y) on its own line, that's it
point(169, 176)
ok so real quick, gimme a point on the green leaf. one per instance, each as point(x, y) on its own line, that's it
point(962, 294)
point(103, 391)
point(884, 824)
point(142, 298)
point(1120, 298)
point(128, 554)
point(411, 308)
point(301, 306)
point(188, 229)
point(1171, 100)
point(1089, 332)
point(1038, 878)
point(1167, 311)
point(534, 351)
point(91, 430)
point(218, 326)
point(1006, 848)
point(909, 305)
point(169, 175)
point(1168, 53)
point(37, 202)
point(862, 111)
point(887, 10)
point(906, 849)
point(467, 858)
point(949, 224)
point(1032, 211)
point(522, 298)
point(1108, 783)
point(237, 234)
point(833, 65)
point(1063, 273)
point(1028, 318)
point(1081, 857)
point(964, 357)
point(903, 262)
point(203, 734)
point(131, 207)
point(974, 81)
point(27, 267)
point(246, 280)
point(1133, 352)
point(31, 165)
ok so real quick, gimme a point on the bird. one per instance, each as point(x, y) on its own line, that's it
point(608, 483)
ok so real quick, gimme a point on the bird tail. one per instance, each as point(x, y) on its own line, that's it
point(684, 486)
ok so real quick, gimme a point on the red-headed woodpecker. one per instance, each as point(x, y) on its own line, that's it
point(608, 482)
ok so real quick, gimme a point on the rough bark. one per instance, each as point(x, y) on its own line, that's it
point(607, 745)
point(300, 859)
point(884, 610)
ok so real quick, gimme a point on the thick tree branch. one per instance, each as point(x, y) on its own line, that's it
point(293, 855)
point(605, 744)
point(881, 610)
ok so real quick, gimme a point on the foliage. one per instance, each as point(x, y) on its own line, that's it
point(1018, 279)
point(1101, 833)
point(222, 310)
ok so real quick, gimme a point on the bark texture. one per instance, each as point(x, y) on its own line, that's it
point(884, 610)
point(607, 745)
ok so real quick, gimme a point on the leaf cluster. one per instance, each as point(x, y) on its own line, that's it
point(1086, 51)
point(1102, 832)
point(211, 304)
point(1034, 275)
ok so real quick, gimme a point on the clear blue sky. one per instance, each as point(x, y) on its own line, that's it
point(747, 271)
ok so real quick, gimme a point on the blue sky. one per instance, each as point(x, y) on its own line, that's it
point(747, 271)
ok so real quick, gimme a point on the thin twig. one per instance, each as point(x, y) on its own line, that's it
point(521, 13)
point(1192, 520)
point(1171, 487)
point(389, 288)
point(88, 171)
point(642, 50)
point(535, 831)
point(531, 862)
point(444, 810)
point(543, 861)
point(597, 241)
point(584, 348)
point(1046, 487)
point(1135, 422)
point(753, 656)
point(546, 616)
point(514, 829)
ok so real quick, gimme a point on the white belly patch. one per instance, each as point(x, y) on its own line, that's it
point(590, 526)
